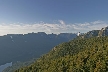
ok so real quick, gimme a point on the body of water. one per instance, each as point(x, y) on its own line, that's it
point(2, 67)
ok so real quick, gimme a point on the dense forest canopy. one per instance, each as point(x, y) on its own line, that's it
point(78, 55)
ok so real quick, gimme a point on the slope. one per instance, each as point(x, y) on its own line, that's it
point(78, 55)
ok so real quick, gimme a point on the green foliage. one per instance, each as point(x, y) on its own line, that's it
point(78, 55)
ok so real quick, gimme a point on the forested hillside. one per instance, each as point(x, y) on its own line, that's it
point(78, 55)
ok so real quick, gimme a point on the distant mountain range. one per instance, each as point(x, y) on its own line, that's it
point(19, 47)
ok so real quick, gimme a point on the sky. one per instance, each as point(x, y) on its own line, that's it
point(52, 16)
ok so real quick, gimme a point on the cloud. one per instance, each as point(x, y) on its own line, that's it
point(98, 22)
point(61, 27)
point(61, 22)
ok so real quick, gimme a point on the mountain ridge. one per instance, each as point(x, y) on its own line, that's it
point(95, 33)
point(19, 47)
point(88, 54)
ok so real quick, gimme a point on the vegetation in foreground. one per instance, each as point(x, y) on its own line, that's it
point(78, 55)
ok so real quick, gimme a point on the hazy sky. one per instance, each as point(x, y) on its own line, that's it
point(52, 16)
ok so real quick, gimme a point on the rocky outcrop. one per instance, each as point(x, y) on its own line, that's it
point(103, 32)
point(95, 33)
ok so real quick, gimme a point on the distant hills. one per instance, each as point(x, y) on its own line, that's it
point(19, 47)
point(87, 54)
